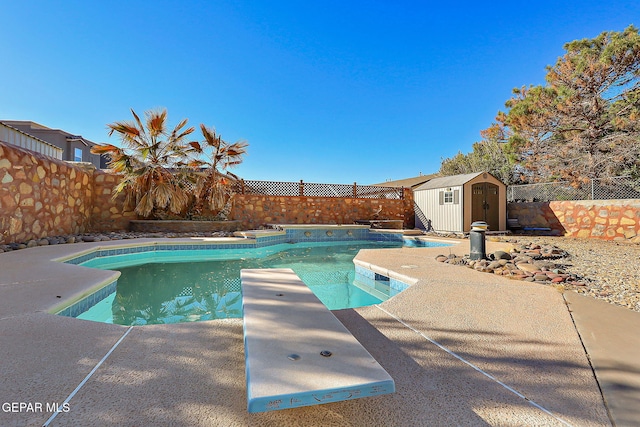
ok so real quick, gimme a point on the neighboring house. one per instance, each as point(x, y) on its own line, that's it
point(412, 183)
point(453, 203)
point(75, 147)
point(13, 136)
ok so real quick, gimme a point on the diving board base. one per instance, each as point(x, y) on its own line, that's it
point(297, 353)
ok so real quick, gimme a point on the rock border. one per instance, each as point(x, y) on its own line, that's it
point(529, 262)
point(78, 238)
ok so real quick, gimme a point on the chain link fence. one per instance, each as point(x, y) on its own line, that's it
point(620, 187)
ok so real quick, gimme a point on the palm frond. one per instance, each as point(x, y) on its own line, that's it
point(145, 205)
point(138, 122)
point(156, 122)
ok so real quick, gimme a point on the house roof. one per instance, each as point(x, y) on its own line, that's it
point(55, 147)
point(407, 182)
point(449, 181)
point(37, 128)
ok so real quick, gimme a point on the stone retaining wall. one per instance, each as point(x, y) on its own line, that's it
point(44, 197)
point(106, 213)
point(602, 219)
point(254, 211)
point(41, 196)
point(176, 226)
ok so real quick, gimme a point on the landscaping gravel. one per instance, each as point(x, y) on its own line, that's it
point(610, 270)
point(603, 269)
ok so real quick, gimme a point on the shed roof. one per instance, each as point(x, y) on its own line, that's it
point(449, 181)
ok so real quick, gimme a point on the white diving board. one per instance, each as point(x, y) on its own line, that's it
point(297, 353)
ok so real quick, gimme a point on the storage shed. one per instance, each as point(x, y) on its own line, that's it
point(452, 203)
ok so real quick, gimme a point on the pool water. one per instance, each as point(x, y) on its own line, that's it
point(165, 289)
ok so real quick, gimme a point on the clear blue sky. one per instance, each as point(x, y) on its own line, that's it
point(331, 91)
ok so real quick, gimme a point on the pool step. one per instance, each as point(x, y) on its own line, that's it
point(297, 353)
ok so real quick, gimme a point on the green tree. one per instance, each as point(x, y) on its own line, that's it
point(152, 163)
point(584, 122)
point(489, 155)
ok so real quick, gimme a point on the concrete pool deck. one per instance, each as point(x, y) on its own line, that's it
point(463, 347)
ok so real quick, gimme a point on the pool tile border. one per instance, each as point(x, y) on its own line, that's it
point(368, 277)
point(79, 307)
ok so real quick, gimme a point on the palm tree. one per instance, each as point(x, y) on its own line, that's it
point(213, 188)
point(153, 163)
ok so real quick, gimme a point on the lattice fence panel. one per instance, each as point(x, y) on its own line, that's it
point(376, 192)
point(327, 190)
point(309, 189)
point(268, 188)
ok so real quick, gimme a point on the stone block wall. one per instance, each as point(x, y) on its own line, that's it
point(45, 197)
point(602, 219)
point(106, 213)
point(254, 211)
point(41, 196)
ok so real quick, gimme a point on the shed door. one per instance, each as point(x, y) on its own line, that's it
point(485, 204)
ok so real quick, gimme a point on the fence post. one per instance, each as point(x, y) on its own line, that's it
point(592, 189)
point(355, 190)
point(241, 186)
point(301, 188)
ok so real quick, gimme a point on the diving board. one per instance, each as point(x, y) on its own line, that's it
point(297, 353)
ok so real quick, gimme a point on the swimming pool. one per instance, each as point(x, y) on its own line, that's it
point(163, 288)
point(177, 281)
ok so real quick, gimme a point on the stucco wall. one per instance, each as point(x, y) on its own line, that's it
point(602, 219)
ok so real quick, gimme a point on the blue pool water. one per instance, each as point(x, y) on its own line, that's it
point(172, 283)
point(157, 287)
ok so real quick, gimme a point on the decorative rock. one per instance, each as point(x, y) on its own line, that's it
point(501, 255)
point(531, 268)
point(43, 242)
point(521, 258)
point(494, 265)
